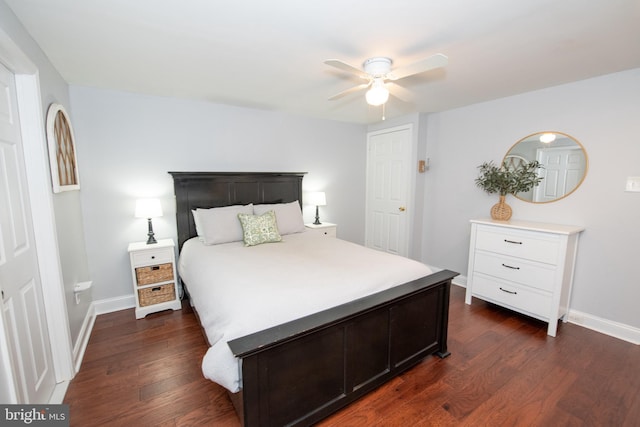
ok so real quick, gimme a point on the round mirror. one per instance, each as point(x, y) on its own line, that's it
point(563, 159)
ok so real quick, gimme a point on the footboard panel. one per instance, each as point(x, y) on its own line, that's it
point(302, 371)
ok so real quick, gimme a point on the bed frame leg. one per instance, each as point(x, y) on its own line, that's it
point(444, 326)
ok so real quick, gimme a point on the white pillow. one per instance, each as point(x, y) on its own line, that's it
point(288, 216)
point(196, 221)
point(220, 225)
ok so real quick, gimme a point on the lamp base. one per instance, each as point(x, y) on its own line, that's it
point(151, 240)
point(317, 221)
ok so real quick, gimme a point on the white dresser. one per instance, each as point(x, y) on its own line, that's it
point(524, 266)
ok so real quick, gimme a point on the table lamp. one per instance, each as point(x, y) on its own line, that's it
point(149, 208)
point(317, 198)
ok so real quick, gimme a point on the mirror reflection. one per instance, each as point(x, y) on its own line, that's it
point(564, 162)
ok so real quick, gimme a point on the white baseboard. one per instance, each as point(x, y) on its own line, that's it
point(83, 337)
point(589, 321)
point(110, 305)
point(605, 326)
point(460, 281)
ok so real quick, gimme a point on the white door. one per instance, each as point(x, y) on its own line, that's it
point(563, 169)
point(388, 183)
point(21, 305)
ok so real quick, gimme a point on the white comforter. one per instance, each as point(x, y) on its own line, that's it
point(239, 290)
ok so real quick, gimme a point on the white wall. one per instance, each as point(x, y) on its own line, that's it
point(603, 114)
point(70, 238)
point(127, 143)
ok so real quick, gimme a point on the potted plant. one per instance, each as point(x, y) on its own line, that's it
point(504, 180)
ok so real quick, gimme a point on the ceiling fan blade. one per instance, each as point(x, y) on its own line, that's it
point(400, 92)
point(350, 90)
point(436, 61)
point(346, 67)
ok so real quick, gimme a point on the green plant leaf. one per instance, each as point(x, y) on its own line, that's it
point(502, 180)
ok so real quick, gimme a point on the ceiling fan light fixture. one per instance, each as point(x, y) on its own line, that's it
point(378, 94)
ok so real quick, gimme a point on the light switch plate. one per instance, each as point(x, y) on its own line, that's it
point(633, 184)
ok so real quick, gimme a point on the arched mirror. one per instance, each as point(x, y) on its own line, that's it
point(564, 162)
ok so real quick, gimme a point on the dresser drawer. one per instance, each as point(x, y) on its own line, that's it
point(512, 296)
point(328, 230)
point(151, 257)
point(519, 243)
point(536, 275)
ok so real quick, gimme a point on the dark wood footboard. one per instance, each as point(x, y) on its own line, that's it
point(302, 371)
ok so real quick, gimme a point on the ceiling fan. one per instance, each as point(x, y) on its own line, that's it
point(379, 75)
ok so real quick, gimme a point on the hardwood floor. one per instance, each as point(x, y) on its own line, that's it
point(503, 370)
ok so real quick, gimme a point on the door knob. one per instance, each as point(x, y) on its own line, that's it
point(402, 209)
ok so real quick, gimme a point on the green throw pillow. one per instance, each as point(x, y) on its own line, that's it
point(259, 229)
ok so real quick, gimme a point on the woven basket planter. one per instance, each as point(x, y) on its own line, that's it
point(501, 211)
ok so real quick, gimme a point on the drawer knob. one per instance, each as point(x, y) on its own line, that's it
point(153, 257)
point(513, 242)
point(507, 291)
point(511, 267)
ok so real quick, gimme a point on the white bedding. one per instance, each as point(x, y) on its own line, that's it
point(239, 290)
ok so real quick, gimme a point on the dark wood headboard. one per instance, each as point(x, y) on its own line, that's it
point(215, 189)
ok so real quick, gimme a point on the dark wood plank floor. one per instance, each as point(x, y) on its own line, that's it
point(504, 370)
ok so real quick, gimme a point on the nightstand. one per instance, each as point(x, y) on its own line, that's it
point(326, 229)
point(155, 281)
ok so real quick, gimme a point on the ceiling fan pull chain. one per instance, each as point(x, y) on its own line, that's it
point(383, 107)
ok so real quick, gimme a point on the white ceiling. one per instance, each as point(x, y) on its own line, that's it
point(269, 54)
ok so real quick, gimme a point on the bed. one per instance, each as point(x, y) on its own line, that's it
point(301, 367)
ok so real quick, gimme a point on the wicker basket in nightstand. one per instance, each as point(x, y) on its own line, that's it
point(154, 274)
point(156, 294)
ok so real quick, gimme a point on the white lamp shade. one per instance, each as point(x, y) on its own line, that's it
point(317, 198)
point(378, 94)
point(148, 208)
